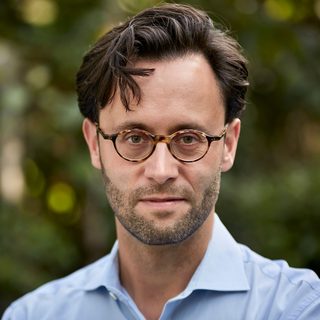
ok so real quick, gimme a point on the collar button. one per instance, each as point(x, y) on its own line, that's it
point(113, 295)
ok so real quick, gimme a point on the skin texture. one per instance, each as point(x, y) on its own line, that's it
point(163, 207)
point(128, 207)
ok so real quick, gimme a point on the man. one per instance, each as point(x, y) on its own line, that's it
point(162, 95)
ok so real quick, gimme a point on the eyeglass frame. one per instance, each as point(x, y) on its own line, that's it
point(160, 138)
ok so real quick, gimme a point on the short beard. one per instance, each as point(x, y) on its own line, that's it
point(123, 205)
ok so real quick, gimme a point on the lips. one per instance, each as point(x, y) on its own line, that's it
point(161, 199)
point(160, 203)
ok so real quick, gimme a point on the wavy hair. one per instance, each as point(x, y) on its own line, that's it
point(164, 32)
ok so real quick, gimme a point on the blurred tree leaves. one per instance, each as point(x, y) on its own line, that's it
point(53, 215)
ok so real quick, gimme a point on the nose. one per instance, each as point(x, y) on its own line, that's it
point(161, 166)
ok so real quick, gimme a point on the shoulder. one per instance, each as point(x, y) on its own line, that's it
point(296, 292)
point(57, 292)
point(275, 269)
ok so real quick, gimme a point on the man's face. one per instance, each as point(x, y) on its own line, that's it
point(163, 200)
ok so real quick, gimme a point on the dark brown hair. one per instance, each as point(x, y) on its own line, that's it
point(158, 33)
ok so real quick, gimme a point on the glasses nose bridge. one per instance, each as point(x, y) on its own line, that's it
point(161, 138)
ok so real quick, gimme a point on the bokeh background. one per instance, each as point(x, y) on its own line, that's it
point(54, 217)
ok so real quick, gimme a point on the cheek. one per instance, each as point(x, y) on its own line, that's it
point(205, 177)
point(205, 168)
point(120, 172)
point(198, 179)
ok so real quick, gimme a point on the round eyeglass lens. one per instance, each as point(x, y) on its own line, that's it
point(189, 145)
point(134, 144)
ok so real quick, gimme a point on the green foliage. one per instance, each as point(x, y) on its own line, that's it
point(276, 214)
point(54, 217)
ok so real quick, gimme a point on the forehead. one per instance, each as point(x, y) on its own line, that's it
point(181, 92)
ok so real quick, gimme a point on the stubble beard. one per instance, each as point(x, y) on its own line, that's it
point(145, 230)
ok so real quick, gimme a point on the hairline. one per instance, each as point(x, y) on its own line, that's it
point(169, 57)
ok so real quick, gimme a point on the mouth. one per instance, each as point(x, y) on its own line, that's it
point(162, 202)
point(163, 198)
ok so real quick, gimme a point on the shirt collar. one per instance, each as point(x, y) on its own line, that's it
point(105, 272)
point(221, 269)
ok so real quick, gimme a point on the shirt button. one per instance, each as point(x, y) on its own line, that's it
point(112, 295)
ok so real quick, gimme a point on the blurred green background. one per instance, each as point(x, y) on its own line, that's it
point(54, 217)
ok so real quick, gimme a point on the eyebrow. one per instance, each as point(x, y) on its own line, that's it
point(139, 125)
point(131, 125)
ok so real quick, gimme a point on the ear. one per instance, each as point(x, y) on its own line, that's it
point(230, 144)
point(90, 134)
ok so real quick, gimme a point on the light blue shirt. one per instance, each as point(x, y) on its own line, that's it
point(231, 282)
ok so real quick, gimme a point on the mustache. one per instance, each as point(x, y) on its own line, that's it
point(166, 188)
point(155, 189)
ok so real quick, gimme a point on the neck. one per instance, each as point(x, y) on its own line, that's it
point(149, 273)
